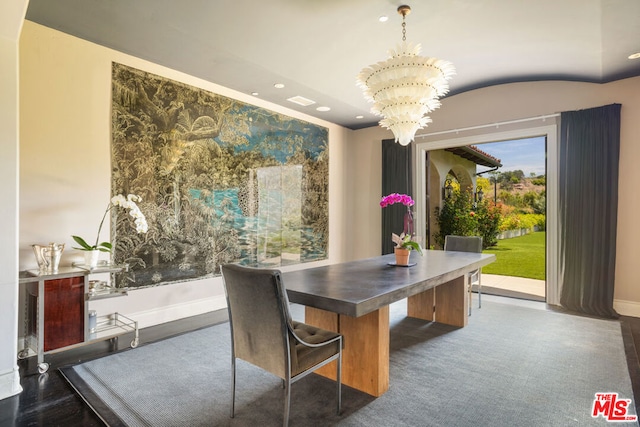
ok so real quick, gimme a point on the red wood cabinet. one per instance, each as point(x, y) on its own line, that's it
point(63, 312)
point(56, 307)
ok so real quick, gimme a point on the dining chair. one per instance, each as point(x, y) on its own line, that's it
point(468, 244)
point(264, 334)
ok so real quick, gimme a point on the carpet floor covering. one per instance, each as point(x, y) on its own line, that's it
point(512, 366)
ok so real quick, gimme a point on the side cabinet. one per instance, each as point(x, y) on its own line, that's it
point(56, 311)
point(63, 312)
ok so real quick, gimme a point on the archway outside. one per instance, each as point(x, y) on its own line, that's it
point(452, 167)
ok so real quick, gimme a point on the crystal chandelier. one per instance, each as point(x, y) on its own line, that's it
point(405, 87)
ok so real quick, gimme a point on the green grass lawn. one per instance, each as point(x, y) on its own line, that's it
point(521, 257)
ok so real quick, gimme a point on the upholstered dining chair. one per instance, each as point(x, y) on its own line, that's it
point(468, 244)
point(264, 334)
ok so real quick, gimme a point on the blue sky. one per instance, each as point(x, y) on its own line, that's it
point(528, 155)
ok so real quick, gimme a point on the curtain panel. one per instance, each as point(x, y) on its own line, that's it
point(588, 207)
point(397, 175)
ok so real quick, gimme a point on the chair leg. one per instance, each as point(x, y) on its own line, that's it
point(287, 398)
point(233, 386)
point(339, 380)
point(479, 288)
point(470, 293)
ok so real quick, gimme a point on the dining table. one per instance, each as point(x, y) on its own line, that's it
point(353, 298)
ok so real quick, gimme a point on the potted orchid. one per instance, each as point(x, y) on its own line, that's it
point(92, 251)
point(404, 242)
point(396, 198)
point(403, 248)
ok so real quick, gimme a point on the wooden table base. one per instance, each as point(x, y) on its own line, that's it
point(365, 357)
point(446, 303)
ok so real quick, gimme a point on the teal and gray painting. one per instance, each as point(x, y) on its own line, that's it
point(221, 181)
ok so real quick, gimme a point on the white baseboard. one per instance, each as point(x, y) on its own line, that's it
point(178, 311)
point(10, 383)
point(627, 308)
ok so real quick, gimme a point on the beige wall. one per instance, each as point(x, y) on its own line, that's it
point(65, 162)
point(513, 102)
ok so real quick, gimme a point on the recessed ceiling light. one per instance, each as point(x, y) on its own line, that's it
point(383, 18)
point(301, 100)
point(323, 109)
point(255, 93)
point(359, 117)
point(634, 55)
point(278, 85)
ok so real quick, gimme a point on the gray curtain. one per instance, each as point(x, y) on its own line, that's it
point(396, 178)
point(588, 205)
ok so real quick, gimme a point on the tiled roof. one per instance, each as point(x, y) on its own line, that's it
point(476, 155)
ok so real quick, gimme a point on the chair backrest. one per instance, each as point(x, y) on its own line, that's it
point(259, 317)
point(463, 243)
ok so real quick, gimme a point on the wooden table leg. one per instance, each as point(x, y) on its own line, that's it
point(365, 357)
point(422, 305)
point(452, 304)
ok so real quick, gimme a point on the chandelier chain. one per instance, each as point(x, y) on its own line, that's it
point(404, 28)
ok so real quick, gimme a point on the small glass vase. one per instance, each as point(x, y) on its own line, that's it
point(408, 223)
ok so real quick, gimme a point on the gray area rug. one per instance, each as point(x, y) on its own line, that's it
point(512, 366)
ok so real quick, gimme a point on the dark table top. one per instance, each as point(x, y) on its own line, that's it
point(359, 287)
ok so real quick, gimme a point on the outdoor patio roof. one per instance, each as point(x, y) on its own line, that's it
point(476, 155)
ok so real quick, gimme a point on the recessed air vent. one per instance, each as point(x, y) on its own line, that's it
point(301, 100)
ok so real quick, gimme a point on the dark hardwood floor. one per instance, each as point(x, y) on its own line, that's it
point(48, 399)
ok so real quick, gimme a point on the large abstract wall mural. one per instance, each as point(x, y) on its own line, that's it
point(220, 180)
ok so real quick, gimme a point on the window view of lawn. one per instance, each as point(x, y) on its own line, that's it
point(520, 256)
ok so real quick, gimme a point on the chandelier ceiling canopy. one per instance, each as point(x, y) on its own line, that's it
point(405, 87)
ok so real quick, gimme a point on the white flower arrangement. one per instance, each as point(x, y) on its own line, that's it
point(134, 210)
point(127, 203)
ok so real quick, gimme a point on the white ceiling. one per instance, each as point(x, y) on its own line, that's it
point(317, 47)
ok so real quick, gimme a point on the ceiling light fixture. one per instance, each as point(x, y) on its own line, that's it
point(278, 85)
point(323, 109)
point(634, 55)
point(405, 87)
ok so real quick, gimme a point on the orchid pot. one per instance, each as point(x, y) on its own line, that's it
point(91, 258)
point(402, 256)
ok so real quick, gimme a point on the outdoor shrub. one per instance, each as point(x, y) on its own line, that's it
point(540, 181)
point(511, 222)
point(459, 217)
point(488, 217)
point(535, 201)
point(455, 217)
point(516, 221)
point(540, 220)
